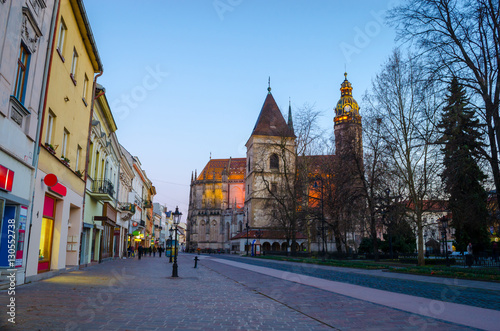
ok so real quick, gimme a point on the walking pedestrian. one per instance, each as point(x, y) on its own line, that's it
point(150, 250)
point(129, 250)
point(140, 251)
point(160, 250)
point(154, 251)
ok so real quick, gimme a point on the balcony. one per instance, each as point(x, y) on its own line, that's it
point(147, 204)
point(102, 190)
point(127, 208)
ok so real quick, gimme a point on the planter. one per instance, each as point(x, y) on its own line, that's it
point(50, 148)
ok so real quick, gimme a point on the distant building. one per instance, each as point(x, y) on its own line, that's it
point(230, 206)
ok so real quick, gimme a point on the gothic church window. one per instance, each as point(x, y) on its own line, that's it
point(274, 162)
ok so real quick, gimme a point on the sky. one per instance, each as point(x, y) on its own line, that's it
point(186, 79)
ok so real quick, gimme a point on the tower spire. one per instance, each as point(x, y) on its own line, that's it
point(290, 120)
point(269, 85)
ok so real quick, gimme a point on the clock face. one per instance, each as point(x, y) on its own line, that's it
point(347, 108)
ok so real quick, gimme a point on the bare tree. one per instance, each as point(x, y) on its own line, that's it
point(283, 180)
point(460, 38)
point(408, 105)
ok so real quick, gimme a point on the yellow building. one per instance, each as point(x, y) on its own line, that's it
point(58, 205)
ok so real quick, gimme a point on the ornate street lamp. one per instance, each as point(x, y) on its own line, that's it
point(177, 219)
point(444, 222)
point(171, 230)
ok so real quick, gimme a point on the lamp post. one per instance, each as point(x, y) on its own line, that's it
point(444, 222)
point(177, 218)
point(170, 245)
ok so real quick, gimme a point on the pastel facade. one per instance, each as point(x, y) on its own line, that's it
point(26, 33)
point(58, 209)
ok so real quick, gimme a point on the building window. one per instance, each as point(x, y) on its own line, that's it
point(78, 153)
point(274, 187)
point(248, 164)
point(50, 127)
point(96, 166)
point(74, 63)
point(274, 162)
point(61, 37)
point(85, 87)
point(22, 74)
point(65, 143)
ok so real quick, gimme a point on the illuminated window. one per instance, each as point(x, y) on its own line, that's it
point(274, 162)
point(61, 37)
point(22, 74)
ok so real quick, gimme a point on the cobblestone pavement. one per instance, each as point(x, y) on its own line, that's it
point(140, 295)
point(477, 297)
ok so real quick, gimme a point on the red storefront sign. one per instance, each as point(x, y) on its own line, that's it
point(6, 178)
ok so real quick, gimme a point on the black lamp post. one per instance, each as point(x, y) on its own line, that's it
point(177, 219)
point(444, 222)
point(170, 244)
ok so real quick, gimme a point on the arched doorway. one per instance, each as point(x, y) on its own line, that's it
point(266, 247)
point(284, 246)
point(295, 247)
point(276, 247)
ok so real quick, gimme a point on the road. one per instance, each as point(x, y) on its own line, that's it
point(233, 293)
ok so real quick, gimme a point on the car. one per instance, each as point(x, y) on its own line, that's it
point(458, 253)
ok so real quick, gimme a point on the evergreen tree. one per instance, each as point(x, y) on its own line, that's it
point(462, 177)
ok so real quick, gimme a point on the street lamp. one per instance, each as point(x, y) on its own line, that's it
point(177, 219)
point(171, 230)
point(444, 222)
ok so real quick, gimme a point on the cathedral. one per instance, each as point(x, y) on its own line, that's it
point(231, 200)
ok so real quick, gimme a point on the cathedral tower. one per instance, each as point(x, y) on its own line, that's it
point(348, 131)
point(270, 156)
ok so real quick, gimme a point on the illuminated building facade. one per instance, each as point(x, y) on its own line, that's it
point(230, 199)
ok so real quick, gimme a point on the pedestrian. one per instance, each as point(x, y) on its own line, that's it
point(154, 251)
point(160, 250)
point(150, 250)
point(140, 251)
point(129, 250)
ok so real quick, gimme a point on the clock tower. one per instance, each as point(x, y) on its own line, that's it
point(347, 127)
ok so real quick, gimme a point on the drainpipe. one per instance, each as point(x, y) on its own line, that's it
point(41, 113)
point(94, 97)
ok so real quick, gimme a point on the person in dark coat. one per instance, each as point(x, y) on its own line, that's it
point(150, 249)
point(160, 250)
point(139, 249)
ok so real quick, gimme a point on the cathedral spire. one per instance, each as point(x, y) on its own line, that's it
point(290, 120)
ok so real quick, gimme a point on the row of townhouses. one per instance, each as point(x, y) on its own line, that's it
point(70, 193)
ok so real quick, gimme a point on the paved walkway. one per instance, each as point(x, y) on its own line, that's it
point(456, 313)
point(140, 295)
point(473, 293)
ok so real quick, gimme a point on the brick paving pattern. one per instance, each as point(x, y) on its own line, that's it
point(467, 296)
point(140, 295)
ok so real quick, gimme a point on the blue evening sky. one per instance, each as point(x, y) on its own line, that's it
point(187, 78)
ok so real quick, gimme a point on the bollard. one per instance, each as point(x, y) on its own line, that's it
point(195, 261)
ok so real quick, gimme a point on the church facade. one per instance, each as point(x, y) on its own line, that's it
point(232, 201)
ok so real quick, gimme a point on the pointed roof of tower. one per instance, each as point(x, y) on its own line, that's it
point(290, 120)
point(271, 121)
